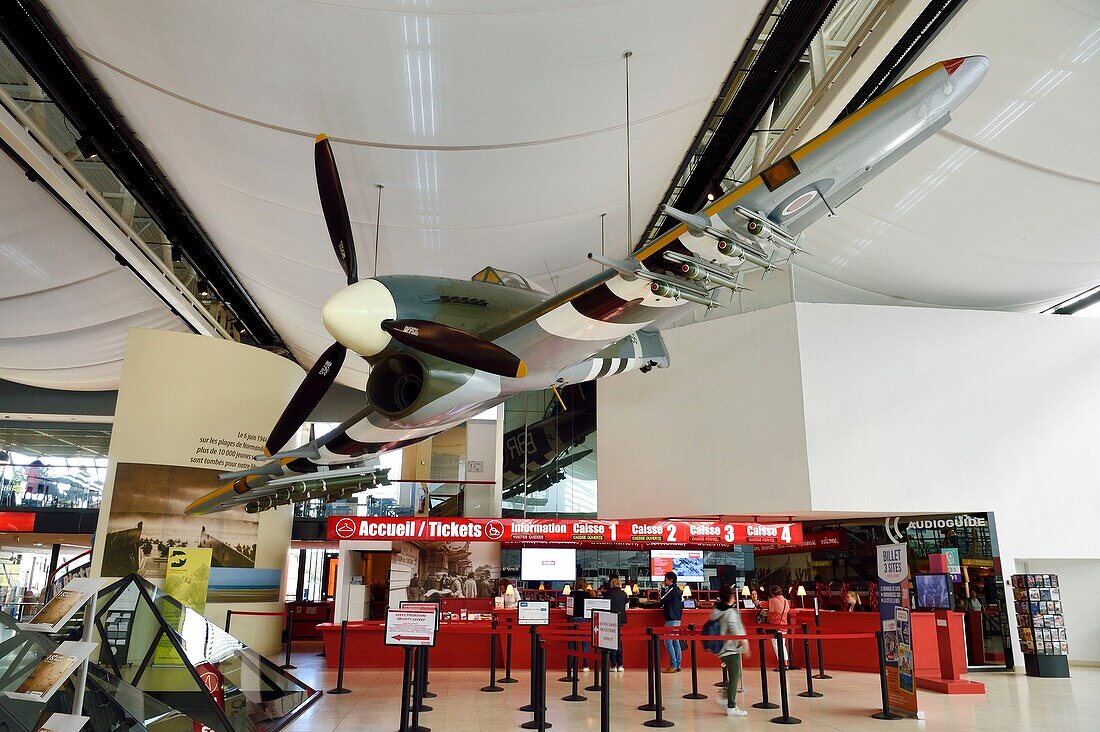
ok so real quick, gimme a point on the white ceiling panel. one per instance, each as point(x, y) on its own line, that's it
point(496, 127)
point(996, 211)
point(67, 304)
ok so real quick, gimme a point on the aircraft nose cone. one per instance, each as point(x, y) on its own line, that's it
point(354, 314)
point(967, 71)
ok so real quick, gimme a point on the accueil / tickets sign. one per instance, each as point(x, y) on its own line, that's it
point(556, 531)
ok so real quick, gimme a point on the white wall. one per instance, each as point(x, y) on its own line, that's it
point(720, 431)
point(484, 442)
point(1079, 581)
point(919, 410)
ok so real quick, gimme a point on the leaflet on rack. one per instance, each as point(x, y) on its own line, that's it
point(64, 605)
point(52, 671)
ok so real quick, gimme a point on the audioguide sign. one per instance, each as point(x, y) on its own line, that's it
point(652, 532)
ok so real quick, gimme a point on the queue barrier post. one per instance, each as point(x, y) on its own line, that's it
point(780, 647)
point(530, 706)
point(418, 705)
point(571, 670)
point(809, 693)
point(228, 619)
point(789, 650)
point(406, 689)
point(596, 676)
point(725, 678)
point(571, 662)
point(289, 641)
point(820, 650)
point(420, 684)
point(885, 713)
point(493, 661)
point(651, 669)
point(538, 686)
point(508, 654)
point(658, 720)
point(761, 645)
point(694, 668)
point(340, 669)
point(605, 693)
point(424, 693)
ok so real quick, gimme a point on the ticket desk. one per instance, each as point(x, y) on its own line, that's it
point(465, 644)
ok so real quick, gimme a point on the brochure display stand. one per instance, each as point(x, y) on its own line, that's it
point(1038, 602)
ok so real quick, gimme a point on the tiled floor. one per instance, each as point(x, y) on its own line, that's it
point(1012, 702)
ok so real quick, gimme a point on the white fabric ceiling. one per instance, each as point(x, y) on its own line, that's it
point(66, 302)
point(496, 127)
point(997, 210)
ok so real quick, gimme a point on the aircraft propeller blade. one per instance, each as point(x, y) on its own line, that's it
point(456, 345)
point(335, 207)
point(306, 398)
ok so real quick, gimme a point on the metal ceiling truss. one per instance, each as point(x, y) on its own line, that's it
point(33, 36)
point(774, 51)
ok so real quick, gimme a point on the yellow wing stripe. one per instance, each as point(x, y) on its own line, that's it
point(733, 196)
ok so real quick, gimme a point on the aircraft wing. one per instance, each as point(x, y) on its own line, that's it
point(774, 207)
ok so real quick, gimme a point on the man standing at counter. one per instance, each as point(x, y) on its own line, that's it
point(672, 604)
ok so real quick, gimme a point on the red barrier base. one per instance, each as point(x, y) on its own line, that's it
point(949, 686)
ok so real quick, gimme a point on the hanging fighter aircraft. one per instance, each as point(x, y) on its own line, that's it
point(443, 350)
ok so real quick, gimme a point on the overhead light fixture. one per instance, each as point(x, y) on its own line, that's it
point(204, 289)
point(87, 148)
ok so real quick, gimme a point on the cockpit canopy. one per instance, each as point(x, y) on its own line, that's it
point(495, 276)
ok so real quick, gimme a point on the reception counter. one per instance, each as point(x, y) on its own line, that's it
point(464, 644)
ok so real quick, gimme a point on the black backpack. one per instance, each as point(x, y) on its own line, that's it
point(711, 627)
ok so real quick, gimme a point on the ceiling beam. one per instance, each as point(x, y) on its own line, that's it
point(33, 36)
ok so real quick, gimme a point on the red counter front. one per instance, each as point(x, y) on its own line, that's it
point(464, 644)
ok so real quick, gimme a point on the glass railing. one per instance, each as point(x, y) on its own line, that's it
point(150, 642)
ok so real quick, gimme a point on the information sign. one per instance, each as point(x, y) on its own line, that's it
point(893, 569)
point(605, 630)
point(569, 606)
point(422, 607)
point(410, 628)
point(535, 532)
point(534, 613)
point(595, 603)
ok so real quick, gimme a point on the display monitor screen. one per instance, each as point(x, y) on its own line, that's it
point(933, 591)
point(548, 565)
point(686, 563)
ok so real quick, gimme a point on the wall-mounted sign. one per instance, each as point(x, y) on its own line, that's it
point(533, 613)
point(528, 532)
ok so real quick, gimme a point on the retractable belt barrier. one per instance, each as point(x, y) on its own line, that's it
point(570, 638)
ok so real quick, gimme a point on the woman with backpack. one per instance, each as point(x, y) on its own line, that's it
point(728, 619)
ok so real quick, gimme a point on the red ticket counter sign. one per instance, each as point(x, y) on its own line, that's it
point(818, 542)
point(561, 531)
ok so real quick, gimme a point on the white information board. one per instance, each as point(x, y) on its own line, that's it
point(534, 613)
point(410, 628)
point(595, 603)
point(605, 630)
point(569, 607)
